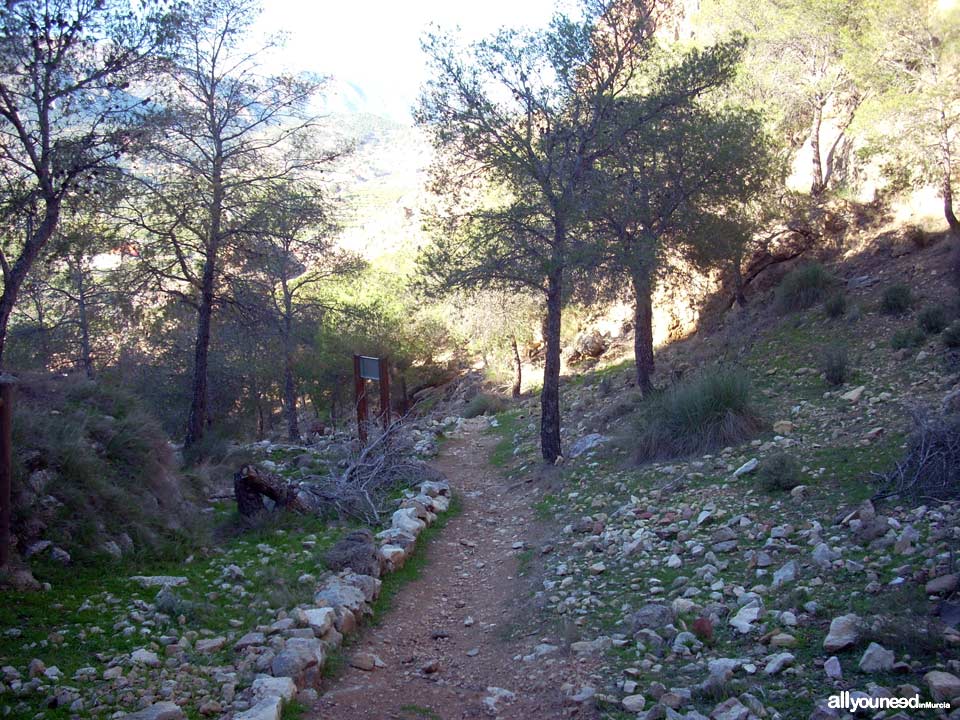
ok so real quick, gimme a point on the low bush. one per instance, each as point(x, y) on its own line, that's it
point(909, 338)
point(803, 287)
point(951, 335)
point(779, 472)
point(896, 300)
point(930, 468)
point(484, 404)
point(698, 415)
point(933, 320)
point(107, 463)
point(836, 305)
point(835, 364)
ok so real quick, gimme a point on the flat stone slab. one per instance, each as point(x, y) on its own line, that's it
point(158, 711)
point(299, 655)
point(318, 619)
point(150, 581)
point(251, 639)
point(144, 657)
point(337, 593)
point(266, 686)
point(270, 708)
point(210, 645)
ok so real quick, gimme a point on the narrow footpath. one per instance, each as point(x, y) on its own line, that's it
point(453, 642)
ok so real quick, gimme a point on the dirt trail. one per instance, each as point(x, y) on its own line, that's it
point(471, 573)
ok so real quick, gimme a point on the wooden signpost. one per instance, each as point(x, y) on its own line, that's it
point(376, 369)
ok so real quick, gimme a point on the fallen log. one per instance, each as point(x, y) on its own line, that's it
point(250, 486)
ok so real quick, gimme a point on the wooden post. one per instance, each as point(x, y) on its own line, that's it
point(7, 385)
point(385, 392)
point(360, 390)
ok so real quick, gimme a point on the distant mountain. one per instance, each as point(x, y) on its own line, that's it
point(382, 181)
point(346, 97)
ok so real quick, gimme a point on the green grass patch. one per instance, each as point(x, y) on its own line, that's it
point(334, 665)
point(416, 711)
point(508, 425)
point(524, 561)
point(546, 507)
point(108, 463)
point(851, 467)
point(294, 711)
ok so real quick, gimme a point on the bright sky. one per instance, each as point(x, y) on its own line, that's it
point(375, 44)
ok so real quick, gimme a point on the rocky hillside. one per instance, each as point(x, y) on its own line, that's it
point(758, 579)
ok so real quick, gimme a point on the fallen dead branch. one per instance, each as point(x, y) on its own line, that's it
point(930, 470)
point(361, 491)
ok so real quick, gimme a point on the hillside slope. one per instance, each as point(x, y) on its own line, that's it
point(708, 592)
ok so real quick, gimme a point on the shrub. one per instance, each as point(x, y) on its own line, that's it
point(836, 305)
point(930, 470)
point(897, 299)
point(933, 320)
point(108, 464)
point(704, 413)
point(908, 338)
point(779, 472)
point(951, 335)
point(803, 287)
point(484, 404)
point(835, 365)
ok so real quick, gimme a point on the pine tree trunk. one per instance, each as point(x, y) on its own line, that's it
point(643, 331)
point(290, 401)
point(13, 279)
point(405, 407)
point(289, 379)
point(259, 417)
point(946, 190)
point(816, 184)
point(7, 301)
point(519, 367)
point(86, 360)
point(197, 420)
point(550, 395)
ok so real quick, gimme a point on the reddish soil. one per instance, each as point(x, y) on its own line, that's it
point(472, 571)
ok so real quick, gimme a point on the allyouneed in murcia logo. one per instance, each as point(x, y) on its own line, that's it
point(855, 701)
